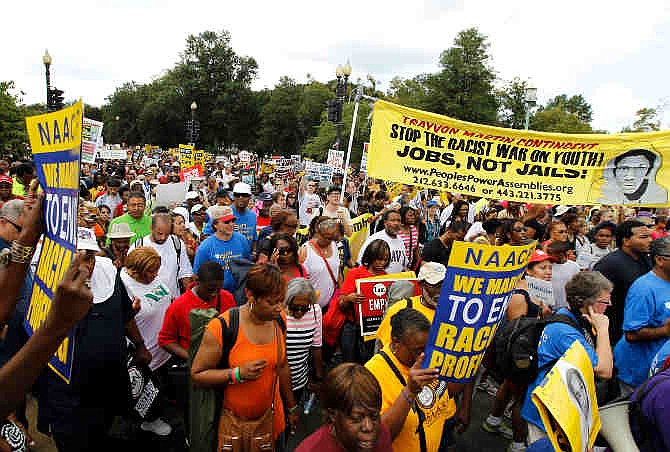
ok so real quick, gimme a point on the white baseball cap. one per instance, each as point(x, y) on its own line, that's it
point(86, 240)
point(432, 272)
point(242, 188)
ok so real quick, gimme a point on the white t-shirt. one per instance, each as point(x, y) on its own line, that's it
point(226, 179)
point(309, 205)
point(398, 254)
point(155, 299)
point(103, 279)
point(561, 274)
point(168, 271)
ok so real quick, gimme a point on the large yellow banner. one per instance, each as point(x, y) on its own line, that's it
point(420, 148)
point(567, 402)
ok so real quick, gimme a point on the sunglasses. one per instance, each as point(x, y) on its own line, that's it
point(284, 251)
point(299, 308)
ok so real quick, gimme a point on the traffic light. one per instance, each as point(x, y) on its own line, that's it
point(333, 110)
point(57, 99)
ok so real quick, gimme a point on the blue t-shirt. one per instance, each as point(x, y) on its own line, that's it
point(657, 363)
point(245, 224)
point(555, 340)
point(223, 251)
point(647, 306)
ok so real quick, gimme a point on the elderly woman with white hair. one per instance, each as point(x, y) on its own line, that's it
point(303, 334)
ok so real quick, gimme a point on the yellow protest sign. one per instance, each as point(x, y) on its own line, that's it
point(567, 402)
point(55, 139)
point(420, 148)
point(186, 155)
point(360, 227)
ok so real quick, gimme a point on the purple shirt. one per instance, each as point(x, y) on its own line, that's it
point(655, 407)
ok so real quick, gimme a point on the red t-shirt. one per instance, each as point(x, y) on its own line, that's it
point(656, 234)
point(176, 325)
point(322, 441)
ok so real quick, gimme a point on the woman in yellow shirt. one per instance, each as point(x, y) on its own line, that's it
point(415, 404)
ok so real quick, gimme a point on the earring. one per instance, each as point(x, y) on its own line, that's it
point(251, 307)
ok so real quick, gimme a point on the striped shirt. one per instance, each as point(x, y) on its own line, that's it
point(411, 241)
point(300, 336)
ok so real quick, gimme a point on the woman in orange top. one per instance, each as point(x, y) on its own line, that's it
point(254, 362)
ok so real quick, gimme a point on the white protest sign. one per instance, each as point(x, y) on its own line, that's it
point(335, 158)
point(167, 194)
point(540, 290)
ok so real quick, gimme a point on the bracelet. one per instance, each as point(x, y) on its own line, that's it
point(407, 397)
point(21, 254)
point(293, 409)
point(237, 375)
point(231, 376)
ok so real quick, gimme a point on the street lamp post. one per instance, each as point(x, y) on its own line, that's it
point(342, 73)
point(193, 126)
point(46, 59)
point(531, 101)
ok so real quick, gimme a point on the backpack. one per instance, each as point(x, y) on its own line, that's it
point(229, 333)
point(642, 427)
point(516, 346)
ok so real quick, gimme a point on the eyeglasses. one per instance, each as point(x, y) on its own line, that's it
point(284, 251)
point(299, 308)
point(18, 228)
point(605, 301)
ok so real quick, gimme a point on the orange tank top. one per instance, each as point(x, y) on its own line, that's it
point(251, 399)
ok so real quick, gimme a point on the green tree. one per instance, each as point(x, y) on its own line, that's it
point(463, 89)
point(411, 92)
point(575, 105)
point(317, 146)
point(647, 121)
point(219, 80)
point(281, 130)
point(556, 119)
point(13, 135)
point(512, 98)
point(122, 112)
point(93, 112)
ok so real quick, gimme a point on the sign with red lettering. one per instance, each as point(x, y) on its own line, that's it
point(371, 311)
point(186, 174)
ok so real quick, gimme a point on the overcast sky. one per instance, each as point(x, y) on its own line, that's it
point(613, 52)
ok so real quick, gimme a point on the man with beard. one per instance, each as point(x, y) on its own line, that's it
point(175, 266)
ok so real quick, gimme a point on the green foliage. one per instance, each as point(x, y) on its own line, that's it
point(317, 146)
point(556, 119)
point(512, 99)
point(13, 136)
point(463, 89)
point(575, 105)
point(647, 121)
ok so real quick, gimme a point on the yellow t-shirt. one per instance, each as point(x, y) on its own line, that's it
point(433, 401)
point(384, 332)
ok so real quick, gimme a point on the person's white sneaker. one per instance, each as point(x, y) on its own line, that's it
point(158, 427)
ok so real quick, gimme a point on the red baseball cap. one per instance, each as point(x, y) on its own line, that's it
point(539, 256)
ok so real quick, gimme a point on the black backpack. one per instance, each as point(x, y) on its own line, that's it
point(516, 346)
point(642, 427)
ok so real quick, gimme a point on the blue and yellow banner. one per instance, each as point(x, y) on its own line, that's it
point(567, 401)
point(421, 148)
point(474, 297)
point(186, 155)
point(55, 139)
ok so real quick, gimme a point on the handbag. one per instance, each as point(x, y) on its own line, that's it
point(243, 435)
point(334, 318)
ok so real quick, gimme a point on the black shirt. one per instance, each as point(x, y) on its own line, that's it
point(622, 270)
point(435, 251)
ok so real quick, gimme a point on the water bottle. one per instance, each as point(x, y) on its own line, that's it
point(310, 403)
